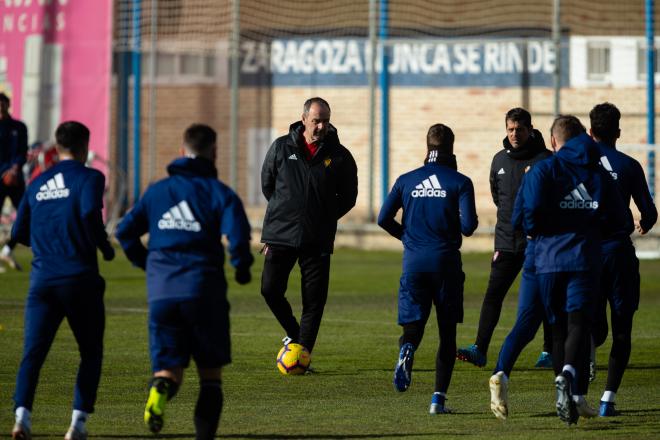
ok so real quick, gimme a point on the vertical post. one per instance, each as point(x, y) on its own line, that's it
point(384, 100)
point(123, 73)
point(234, 56)
point(137, 86)
point(152, 90)
point(373, 16)
point(556, 38)
point(650, 95)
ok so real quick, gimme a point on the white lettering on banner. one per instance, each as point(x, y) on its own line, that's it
point(492, 60)
point(441, 58)
point(350, 56)
point(28, 3)
point(549, 57)
point(32, 22)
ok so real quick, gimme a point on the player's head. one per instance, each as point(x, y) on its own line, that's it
point(200, 140)
point(564, 128)
point(316, 119)
point(440, 138)
point(518, 123)
point(5, 102)
point(605, 119)
point(72, 140)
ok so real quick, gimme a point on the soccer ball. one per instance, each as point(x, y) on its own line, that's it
point(293, 359)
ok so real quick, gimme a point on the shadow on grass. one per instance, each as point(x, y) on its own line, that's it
point(545, 414)
point(636, 412)
point(599, 368)
point(263, 436)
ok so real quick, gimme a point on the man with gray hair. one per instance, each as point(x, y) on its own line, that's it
point(310, 182)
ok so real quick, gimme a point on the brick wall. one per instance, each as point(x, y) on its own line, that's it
point(475, 115)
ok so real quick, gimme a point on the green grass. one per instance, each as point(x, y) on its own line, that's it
point(352, 396)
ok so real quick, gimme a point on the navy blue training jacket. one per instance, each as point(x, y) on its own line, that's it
point(186, 215)
point(60, 218)
point(13, 144)
point(629, 176)
point(569, 203)
point(438, 206)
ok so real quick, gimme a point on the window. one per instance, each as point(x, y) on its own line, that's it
point(598, 60)
point(641, 60)
point(165, 64)
point(177, 67)
point(192, 64)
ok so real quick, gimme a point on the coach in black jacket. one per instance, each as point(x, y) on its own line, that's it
point(523, 146)
point(310, 182)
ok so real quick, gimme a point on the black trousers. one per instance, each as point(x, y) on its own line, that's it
point(504, 269)
point(315, 274)
point(15, 193)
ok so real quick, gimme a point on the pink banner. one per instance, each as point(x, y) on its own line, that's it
point(55, 64)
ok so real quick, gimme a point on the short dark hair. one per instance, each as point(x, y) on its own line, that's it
point(200, 137)
point(566, 127)
point(315, 100)
point(520, 115)
point(441, 138)
point(605, 119)
point(5, 98)
point(72, 136)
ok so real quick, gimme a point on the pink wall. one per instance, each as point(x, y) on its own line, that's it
point(68, 75)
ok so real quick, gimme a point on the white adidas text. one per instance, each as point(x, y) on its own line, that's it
point(54, 188)
point(179, 217)
point(429, 188)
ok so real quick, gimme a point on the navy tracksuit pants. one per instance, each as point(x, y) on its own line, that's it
point(529, 318)
point(80, 301)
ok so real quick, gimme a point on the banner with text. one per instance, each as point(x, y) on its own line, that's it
point(441, 63)
point(55, 64)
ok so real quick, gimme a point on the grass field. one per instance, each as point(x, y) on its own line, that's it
point(352, 396)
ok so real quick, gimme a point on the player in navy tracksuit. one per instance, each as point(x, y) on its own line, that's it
point(620, 273)
point(529, 317)
point(13, 154)
point(438, 206)
point(60, 218)
point(186, 215)
point(569, 202)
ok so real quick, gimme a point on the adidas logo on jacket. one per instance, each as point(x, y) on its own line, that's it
point(179, 217)
point(429, 188)
point(53, 189)
point(579, 198)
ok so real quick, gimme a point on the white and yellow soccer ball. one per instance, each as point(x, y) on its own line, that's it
point(293, 359)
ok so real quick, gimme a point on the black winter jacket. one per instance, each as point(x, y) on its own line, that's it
point(506, 172)
point(306, 198)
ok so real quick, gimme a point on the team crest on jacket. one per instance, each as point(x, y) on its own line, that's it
point(578, 198)
point(54, 188)
point(179, 217)
point(430, 187)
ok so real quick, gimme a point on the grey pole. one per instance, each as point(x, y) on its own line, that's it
point(556, 38)
point(233, 112)
point(152, 91)
point(372, 104)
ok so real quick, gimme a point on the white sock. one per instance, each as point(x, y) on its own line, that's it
point(78, 420)
point(577, 398)
point(608, 396)
point(24, 417)
point(6, 251)
point(570, 369)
